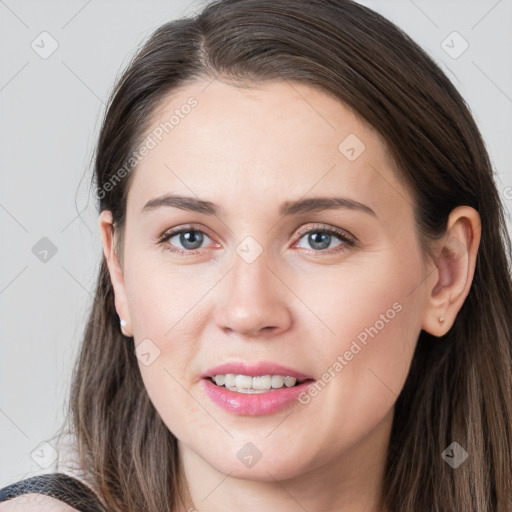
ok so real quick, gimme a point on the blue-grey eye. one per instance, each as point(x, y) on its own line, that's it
point(190, 239)
point(321, 239)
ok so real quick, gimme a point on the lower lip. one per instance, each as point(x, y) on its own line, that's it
point(254, 404)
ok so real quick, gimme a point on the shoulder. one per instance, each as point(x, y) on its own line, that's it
point(53, 492)
point(33, 502)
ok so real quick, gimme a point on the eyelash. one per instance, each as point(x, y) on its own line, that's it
point(346, 239)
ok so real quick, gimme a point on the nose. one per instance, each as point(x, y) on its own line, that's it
point(255, 300)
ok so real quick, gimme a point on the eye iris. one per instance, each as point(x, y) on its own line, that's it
point(315, 235)
point(192, 237)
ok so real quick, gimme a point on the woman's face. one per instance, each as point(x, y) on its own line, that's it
point(259, 275)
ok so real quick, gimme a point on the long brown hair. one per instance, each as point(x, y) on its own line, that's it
point(459, 388)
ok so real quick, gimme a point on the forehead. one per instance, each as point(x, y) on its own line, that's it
point(231, 144)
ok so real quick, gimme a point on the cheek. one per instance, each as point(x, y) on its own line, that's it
point(364, 361)
point(371, 299)
point(165, 299)
point(166, 314)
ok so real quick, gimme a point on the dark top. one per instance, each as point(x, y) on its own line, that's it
point(59, 486)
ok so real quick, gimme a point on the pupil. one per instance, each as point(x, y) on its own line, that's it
point(313, 240)
point(191, 237)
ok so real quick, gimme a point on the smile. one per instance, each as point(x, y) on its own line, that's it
point(258, 384)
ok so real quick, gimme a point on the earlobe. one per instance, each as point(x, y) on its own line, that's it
point(115, 270)
point(450, 281)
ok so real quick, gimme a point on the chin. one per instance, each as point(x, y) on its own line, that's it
point(267, 468)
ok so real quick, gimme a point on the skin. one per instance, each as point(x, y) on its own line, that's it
point(249, 150)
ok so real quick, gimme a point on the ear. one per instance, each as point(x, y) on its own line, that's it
point(450, 281)
point(115, 270)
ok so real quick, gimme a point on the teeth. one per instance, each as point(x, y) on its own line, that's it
point(278, 381)
point(229, 380)
point(264, 382)
point(260, 384)
point(220, 380)
point(243, 381)
point(288, 382)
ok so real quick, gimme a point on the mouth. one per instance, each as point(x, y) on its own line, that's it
point(254, 378)
point(257, 384)
point(244, 398)
point(255, 389)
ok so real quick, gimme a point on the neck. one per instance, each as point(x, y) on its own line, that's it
point(351, 482)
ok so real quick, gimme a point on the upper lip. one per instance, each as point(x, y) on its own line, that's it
point(254, 370)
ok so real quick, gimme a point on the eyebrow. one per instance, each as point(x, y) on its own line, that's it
point(309, 205)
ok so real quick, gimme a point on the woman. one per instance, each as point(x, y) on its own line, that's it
point(299, 222)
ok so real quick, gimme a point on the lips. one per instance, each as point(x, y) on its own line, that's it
point(263, 403)
point(255, 370)
point(255, 405)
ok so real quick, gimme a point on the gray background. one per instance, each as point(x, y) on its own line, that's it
point(50, 114)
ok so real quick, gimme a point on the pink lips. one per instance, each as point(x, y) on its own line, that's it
point(259, 403)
